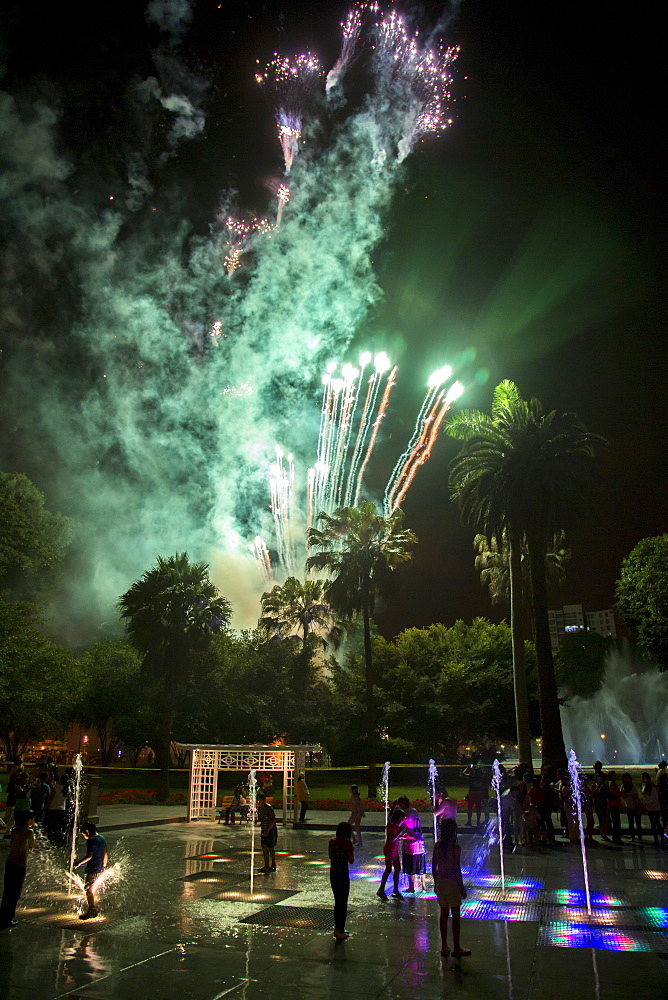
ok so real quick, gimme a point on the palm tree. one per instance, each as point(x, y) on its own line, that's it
point(302, 607)
point(493, 564)
point(171, 612)
point(359, 550)
point(527, 473)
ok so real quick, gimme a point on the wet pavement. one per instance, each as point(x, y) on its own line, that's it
point(178, 922)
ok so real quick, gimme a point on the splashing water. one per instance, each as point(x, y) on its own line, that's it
point(252, 789)
point(574, 771)
point(496, 785)
point(477, 860)
point(433, 775)
point(386, 788)
point(78, 774)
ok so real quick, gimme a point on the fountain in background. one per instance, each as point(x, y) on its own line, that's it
point(252, 791)
point(496, 785)
point(386, 788)
point(78, 773)
point(626, 721)
point(433, 777)
point(574, 772)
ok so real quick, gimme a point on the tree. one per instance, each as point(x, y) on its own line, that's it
point(359, 550)
point(493, 564)
point(642, 596)
point(32, 538)
point(581, 660)
point(171, 612)
point(527, 473)
point(300, 607)
point(111, 693)
point(37, 679)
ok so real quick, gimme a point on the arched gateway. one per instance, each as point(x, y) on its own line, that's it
point(207, 759)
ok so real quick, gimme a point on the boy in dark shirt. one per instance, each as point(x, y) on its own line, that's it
point(268, 833)
point(95, 861)
point(341, 855)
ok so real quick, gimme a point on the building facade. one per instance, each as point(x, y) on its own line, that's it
point(573, 618)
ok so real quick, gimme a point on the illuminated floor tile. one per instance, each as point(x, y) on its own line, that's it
point(568, 935)
point(311, 917)
point(266, 896)
point(511, 895)
point(488, 910)
point(576, 897)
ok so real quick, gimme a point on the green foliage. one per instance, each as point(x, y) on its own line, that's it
point(580, 662)
point(111, 698)
point(642, 596)
point(32, 538)
point(302, 607)
point(38, 679)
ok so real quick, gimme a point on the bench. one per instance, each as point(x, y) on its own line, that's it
point(226, 802)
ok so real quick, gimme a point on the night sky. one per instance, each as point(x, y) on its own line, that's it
point(525, 239)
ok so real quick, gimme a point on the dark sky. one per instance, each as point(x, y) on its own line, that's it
point(528, 235)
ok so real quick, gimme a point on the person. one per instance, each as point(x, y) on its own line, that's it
point(444, 808)
point(615, 806)
point(476, 793)
point(633, 804)
point(14, 769)
point(238, 804)
point(392, 854)
point(449, 886)
point(413, 844)
point(267, 785)
point(599, 791)
point(268, 833)
point(341, 855)
point(95, 860)
point(356, 814)
point(650, 795)
point(302, 795)
point(662, 788)
point(22, 842)
point(40, 791)
point(22, 803)
point(532, 832)
point(54, 816)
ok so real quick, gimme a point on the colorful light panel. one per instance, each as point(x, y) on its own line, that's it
point(565, 935)
point(487, 910)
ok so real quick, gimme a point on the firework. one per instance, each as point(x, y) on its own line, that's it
point(216, 331)
point(283, 197)
point(281, 486)
point(351, 29)
point(261, 554)
point(436, 404)
point(290, 86)
point(240, 234)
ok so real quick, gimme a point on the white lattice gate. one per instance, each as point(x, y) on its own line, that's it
point(207, 760)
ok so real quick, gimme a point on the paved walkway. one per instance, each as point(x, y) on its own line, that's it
point(179, 923)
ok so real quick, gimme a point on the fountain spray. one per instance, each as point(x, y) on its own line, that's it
point(496, 785)
point(252, 788)
point(78, 771)
point(386, 788)
point(433, 775)
point(574, 771)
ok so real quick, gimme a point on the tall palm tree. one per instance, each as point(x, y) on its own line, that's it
point(527, 473)
point(493, 564)
point(359, 549)
point(300, 607)
point(171, 612)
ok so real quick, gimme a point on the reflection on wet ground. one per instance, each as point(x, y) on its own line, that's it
point(180, 922)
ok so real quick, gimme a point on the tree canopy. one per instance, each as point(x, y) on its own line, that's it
point(642, 596)
point(32, 539)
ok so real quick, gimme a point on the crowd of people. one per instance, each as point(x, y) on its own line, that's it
point(45, 792)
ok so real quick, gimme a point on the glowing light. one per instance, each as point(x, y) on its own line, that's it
point(290, 86)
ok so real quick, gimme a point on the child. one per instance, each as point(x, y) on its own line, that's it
point(532, 827)
point(95, 861)
point(21, 843)
point(356, 814)
point(340, 856)
point(449, 885)
point(392, 854)
point(268, 833)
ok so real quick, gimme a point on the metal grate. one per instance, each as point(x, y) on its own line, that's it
point(569, 935)
point(489, 910)
point(511, 895)
point(306, 917)
point(261, 896)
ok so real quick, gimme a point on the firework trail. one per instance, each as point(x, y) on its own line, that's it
point(351, 29)
point(436, 404)
point(240, 233)
point(283, 197)
point(290, 86)
point(382, 409)
point(281, 483)
point(261, 553)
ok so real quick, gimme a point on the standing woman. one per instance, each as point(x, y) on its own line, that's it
point(303, 796)
point(392, 854)
point(635, 807)
point(449, 885)
point(615, 806)
point(340, 857)
point(413, 844)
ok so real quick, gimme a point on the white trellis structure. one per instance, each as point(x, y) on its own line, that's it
point(207, 759)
